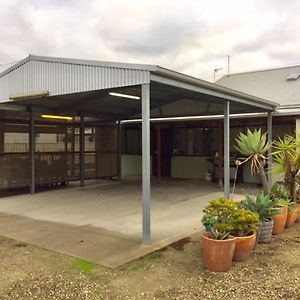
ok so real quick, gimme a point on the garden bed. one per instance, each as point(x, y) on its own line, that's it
point(177, 272)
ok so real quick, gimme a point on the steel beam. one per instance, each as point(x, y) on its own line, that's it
point(146, 184)
point(32, 151)
point(226, 150)
point(270, 150)
point(81, 150)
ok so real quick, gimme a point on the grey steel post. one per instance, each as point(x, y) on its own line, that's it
point(226, 150)
point(119, 150)
point(270, 150)
point(32, 151)
point(146, 162)
point(81, 150)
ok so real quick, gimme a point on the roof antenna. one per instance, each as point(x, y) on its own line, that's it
point(228, 64)
point(215, 72)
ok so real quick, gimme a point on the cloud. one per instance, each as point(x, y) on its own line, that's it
point(191, 36)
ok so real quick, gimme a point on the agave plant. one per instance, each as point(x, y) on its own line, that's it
point(260, 204)
point(254, 146)
point(287, 161)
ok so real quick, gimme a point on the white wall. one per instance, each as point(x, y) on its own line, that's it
point(131, 165)
point(189, 166)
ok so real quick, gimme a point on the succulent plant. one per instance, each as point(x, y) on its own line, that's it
point(260, 204)
point(254, 146)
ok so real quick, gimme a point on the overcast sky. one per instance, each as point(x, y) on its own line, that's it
point(190, 36)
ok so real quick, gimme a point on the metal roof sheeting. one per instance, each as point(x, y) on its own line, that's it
point(269, 84)
point(67, 76)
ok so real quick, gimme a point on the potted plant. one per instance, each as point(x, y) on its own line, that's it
point(292, 214)
point(264, 207)
point(242, 224)
point(254, 146)
point(218, 249)
point(217, 243)
point(279, 196)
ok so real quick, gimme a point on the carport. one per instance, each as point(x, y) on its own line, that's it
point(113, 92)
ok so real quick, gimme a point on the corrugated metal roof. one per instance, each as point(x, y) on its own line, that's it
point(270, 84)
point(66, 76)
point(83, 86)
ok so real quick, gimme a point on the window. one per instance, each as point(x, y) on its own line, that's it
point(196, 141)
point(132, 141)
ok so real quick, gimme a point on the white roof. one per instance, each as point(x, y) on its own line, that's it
point(281, 85)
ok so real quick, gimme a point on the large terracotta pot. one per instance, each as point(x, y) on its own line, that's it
point(298, 207)
point(291, 217)
point(279, 220)
point(265, 232)
point(244, 246)
point(217, 254)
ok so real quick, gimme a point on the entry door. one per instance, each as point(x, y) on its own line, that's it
point(162, 138)
point(106, 145)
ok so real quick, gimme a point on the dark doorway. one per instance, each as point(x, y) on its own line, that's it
point(162, 141)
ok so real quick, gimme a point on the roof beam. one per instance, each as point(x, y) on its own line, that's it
point(203, 90)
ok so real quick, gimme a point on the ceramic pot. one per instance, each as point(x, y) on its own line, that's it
point(279, 220)
point(244, 246)
point(217, 254)
point(291, 217)
point(298, 207)
point(265, 232)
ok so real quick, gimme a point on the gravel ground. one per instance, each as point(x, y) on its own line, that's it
point(176, 272)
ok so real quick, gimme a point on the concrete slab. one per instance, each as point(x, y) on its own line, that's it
point(102, 222)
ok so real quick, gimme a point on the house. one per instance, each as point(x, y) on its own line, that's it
point(280, 84)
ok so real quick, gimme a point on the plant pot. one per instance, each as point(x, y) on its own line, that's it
point(217, 254)
point(298, 207)
point(291, 217)
point(265, 232)
point(244, 246)
point(279, 220)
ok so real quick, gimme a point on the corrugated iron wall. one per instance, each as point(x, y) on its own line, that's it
point(65, 78)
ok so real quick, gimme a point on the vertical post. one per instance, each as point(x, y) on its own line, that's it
point(220, 158)
point(226, 150)
point(32, 151)
point(158, 151)
point(119, 150)
point(81, 150)
point(146, 162)
point(270, 150)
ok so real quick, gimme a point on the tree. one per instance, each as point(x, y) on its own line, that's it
point(287, 161)
point(254, 146)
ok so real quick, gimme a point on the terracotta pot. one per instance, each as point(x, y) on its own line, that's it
point(244, 246)
point(217, 254)
point(265, 232)
point(279, 220)
point(291, 217)
point(298, 207)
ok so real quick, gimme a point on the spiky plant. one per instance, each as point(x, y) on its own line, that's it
point(254, 146)
point(287, 161)
point(260, 204)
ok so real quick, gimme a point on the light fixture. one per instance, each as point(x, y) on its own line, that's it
point(124, 95)
point(29, 96)
point(57, 117)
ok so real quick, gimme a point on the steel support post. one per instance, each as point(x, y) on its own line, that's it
point(226, 150)
point(81, 150)
point(270, 150)
point(119, 150)
point(32, 151)
point(146, 162)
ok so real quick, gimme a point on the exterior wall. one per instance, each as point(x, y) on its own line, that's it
point(131, 165)
point(189, 167)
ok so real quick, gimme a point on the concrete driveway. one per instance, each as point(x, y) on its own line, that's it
point(102, 222)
